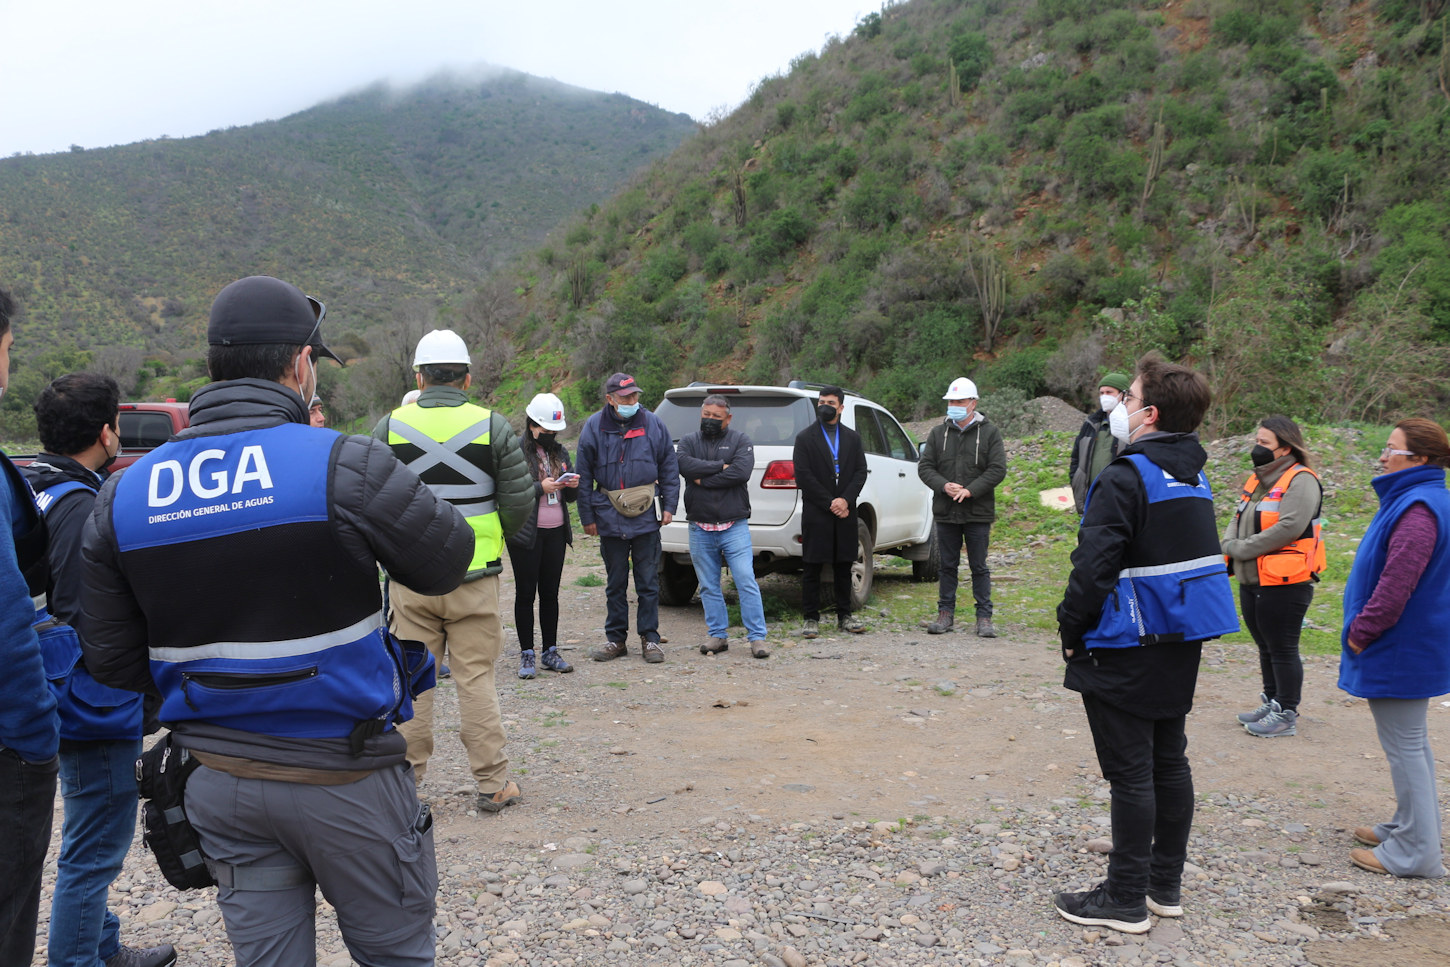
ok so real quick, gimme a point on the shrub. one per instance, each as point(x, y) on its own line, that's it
point(972, 55)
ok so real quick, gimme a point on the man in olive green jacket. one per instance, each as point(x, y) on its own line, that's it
point(963, 461)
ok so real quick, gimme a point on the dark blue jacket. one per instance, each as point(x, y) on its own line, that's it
point(721, 495)
point(28, 723)
point(614, 456)
point(234, 571)
point(1412, 659)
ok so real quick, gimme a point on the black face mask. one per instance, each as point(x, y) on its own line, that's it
point(546, 440)
point(1261, 455)
point(825, 413)
point(711, 427)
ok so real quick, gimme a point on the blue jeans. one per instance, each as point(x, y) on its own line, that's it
point(708, 550)
point(98, 784)
point(27, 797)
point(618, 552)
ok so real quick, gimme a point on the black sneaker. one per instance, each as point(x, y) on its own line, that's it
point(162, 956)
point(1096, 909)
point(1164, 903)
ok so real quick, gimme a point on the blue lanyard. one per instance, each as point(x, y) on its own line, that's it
point(834, 447)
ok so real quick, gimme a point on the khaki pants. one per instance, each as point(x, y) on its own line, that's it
point(465, 621)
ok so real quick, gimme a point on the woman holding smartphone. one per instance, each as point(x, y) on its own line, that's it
point(536, 552)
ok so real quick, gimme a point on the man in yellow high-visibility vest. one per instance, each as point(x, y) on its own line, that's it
point(470, 457)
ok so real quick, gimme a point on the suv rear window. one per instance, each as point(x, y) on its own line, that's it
point(767, 420)
point(144, 430)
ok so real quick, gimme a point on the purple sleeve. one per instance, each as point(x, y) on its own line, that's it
point(1411, 544)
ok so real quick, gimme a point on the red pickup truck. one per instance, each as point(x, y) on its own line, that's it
point(144, 427)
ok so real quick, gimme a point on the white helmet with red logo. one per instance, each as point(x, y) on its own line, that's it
point(547, 410)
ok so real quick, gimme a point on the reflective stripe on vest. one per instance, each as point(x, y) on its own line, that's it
point(441, 433)
point(1298, 561)
point(193, 501)
point(1187, 600)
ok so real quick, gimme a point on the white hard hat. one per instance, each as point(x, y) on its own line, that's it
point(441, 346)
point(961, 389)
point(411, 396)
point(547, 410)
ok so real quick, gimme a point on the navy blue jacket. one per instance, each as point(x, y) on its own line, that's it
point(614, 456)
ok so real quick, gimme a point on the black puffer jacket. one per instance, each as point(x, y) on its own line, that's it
point(381, 511)
point(528, 534)
point(721, 494)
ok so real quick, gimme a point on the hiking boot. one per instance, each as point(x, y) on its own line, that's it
point(850, 625)
point(759, 649)
point(652, 651)
point(162, 956)
point(985, 630)
point(497, 802)
point(811, 629)
point(526, 664)
point(555, 662)
point(1264, 709)
point(1365, 835)
point(1096, 908)
point(609, 651)
point(1366, 860)
point(1279, 721)
point(713, 645)
point(943, 623)
point(1164, 903)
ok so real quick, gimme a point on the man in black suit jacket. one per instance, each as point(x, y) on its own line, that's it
point(830, 470)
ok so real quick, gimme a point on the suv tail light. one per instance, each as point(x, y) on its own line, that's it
point(779, 475)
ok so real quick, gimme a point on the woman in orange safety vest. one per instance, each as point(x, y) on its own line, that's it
point(1274, 547)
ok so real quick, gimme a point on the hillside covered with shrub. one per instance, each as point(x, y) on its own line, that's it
point(1030, 192)
point(380, 203)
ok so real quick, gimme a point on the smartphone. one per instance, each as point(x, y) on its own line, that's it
point(566, 478)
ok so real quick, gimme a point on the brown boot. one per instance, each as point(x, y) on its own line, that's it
point(943, 623)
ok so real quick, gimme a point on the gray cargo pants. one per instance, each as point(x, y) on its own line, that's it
point(359, 842)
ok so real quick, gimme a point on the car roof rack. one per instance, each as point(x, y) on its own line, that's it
point(804, 384)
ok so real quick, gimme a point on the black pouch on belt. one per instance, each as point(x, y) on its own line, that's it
point(161, 773)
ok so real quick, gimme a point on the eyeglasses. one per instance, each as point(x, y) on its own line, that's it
point(1129, 396)
point(321, 309)
point(1391, 452)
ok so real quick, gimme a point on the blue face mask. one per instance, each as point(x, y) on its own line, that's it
point(956, 413)
point(626, 410)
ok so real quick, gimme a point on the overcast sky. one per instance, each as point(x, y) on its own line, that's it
point(103, 72)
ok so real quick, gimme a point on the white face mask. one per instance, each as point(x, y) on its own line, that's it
point(1118, 423)
point(1107, 402)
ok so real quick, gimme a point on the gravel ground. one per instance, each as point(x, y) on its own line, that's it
point(668, 821)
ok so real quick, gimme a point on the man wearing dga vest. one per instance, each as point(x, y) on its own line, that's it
point(100, 727)
point(1148, 586)
point(233, 572)
point(470, 457)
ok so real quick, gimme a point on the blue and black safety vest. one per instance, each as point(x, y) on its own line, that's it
point(88, 711)
point(258, 617)
point(1173, 585)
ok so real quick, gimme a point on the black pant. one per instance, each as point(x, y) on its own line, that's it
point(1146, 763)
point(643, 551)
point(1275, 616)
point(811, 589)
point(27, 799)
point(537, 571)
point(949, 540)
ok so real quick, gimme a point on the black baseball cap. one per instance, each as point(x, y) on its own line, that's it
point(261, 310)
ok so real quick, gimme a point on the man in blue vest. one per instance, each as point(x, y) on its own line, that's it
point(1148, 586)
point(100, 727)
point(629, 483)
point(233, 572)
point(470, 457)
point(29, 732)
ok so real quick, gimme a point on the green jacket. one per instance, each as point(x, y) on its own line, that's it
point(974, 458)
point(500, 457)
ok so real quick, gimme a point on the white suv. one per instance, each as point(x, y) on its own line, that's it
point(894, 509)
